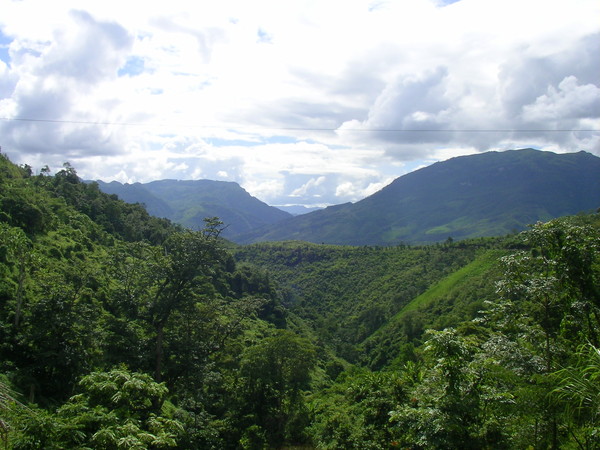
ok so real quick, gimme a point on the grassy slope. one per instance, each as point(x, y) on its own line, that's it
point(448, 302)
point(453, 282)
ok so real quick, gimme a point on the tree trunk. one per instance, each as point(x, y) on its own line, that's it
point(159, 352)
point(19, 294)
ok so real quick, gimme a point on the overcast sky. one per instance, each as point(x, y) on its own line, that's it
point(301, 102)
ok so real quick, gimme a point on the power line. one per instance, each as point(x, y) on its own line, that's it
point(384, 130)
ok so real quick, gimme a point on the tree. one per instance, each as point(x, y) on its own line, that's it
point(548, 307)
point(556, 282)
point(579, 389)
point(116, 409)
point(112, 410)
point(354, 412)
point(274, 373)
point(26, 170)
point(60, 337)
point(67, 173)
point(17, 249)
point(446, 410)
point(189, 259)
point(154, 282)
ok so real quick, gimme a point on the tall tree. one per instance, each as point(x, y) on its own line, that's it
point(156, 281)
point(548, 306)
point(18, 251)
point(274, 373)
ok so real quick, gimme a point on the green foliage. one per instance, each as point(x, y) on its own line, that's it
point(551, 289)
point(349, 293)
point(118, 409)
point(96, 287)
point(354, 412)
point(122, 331)
point(274, 372)
point(578, 386)
point(458, 297)
point(456, 404)
point(491, 382)
point(114, 409)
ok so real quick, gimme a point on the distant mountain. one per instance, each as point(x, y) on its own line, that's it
point(138, 193)
point(297, 210)
point(487, 194)
point(189, 202)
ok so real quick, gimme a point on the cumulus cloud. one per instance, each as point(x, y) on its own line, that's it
point(413, 109)
point(416, 114)
point(58, 81)
point(8, 80)
point(523, 79)
point(310, 185)
point(567, 102)
point(87, 53)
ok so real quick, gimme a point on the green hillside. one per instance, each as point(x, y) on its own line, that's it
point(349, 293)
point(447, 303)
point(105, 309)
point(137, 193)
point(488, 194)
point(490, 333)
point(455, 282)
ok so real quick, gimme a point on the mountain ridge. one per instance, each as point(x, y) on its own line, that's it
point(188, 202)
point(486, 194)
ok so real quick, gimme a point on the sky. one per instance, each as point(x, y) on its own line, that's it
point(312, 102)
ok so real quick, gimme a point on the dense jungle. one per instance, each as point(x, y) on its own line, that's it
point(123, 330)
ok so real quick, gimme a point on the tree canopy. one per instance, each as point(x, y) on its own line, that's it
point(120, 330)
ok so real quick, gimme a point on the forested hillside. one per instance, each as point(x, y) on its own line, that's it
point(120, 330)
point(499, 351)
point(348, 293)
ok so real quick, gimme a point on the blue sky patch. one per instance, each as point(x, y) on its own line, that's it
point(134, 66)
point(264, 37)
point(4, 43)
point(218, 142)
point(281, 140)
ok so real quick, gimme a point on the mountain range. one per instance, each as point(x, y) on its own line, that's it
point(486, 194)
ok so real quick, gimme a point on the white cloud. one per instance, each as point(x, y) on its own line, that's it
point(569, 101)
point(286, 102)
point(309, 186)
point(345, 189)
